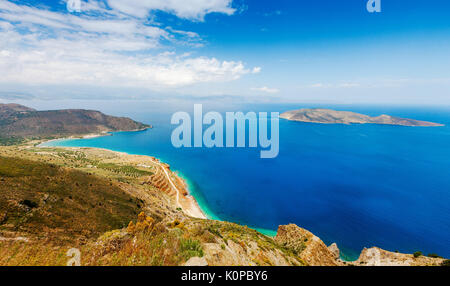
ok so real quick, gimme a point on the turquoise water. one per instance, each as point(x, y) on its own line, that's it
point(359, 185)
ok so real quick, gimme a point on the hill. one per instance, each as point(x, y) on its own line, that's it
point(329, 116)
point(13, 107)
point(58, 204)
point(17, 121)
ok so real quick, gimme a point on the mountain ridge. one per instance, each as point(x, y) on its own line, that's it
point(24, 122)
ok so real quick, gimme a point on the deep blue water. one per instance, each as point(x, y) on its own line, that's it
point(359, 185)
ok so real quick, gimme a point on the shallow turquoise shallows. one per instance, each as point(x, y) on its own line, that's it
point(359, 185)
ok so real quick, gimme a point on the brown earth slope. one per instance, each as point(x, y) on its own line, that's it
point(57, 204)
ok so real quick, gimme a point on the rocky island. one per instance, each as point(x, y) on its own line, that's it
point(328, 116)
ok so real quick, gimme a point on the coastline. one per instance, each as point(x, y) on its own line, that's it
point(184, 198)
point(191, 203)
point(91, 135)
point(87, 136)
point(366, 257)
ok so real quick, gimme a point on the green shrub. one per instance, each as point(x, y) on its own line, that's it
point(125, 170)
point(434, 255)
point(9, 141)
point(446, 262)
point(190, 248)
point(215, 231)
point(417, 254)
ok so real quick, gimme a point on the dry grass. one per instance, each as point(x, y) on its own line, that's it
point(60, 204)
point(16, 253)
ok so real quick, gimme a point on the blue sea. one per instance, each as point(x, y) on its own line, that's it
point(357, 185)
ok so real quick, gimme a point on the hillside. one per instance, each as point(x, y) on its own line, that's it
point(17, 121)
point(52, 200)
point(13, 107)
point(117, 210)
point(329, 116)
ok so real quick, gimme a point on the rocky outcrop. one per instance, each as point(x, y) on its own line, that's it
point(335, 251)
point(196, 261)
point(378, 257)
point(329, 116)
point(245, 252)
point(306, 245)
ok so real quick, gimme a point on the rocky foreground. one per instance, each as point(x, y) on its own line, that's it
point(328, 116)
point(315, 253)
point(120, 209)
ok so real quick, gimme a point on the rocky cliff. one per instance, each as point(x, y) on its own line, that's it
point(308, 246)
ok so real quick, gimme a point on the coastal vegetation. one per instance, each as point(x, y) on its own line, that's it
point(126, 170)
point(9, 141)
point(417, 254)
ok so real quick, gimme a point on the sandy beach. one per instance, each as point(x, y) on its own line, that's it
point(89, 136)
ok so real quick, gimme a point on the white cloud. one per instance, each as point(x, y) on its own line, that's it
point(39, 46)
point(266, 89)
point(256, 70)
point(188, 9)
point(82, 61)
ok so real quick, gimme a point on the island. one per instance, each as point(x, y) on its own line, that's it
point(329, 116)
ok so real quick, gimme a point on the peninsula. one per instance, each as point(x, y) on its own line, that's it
point(328, 116)
point(20, 122)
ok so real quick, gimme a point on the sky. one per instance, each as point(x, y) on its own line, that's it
point(302, 51)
